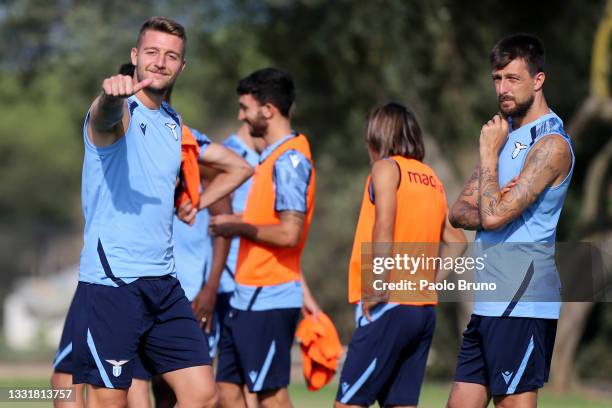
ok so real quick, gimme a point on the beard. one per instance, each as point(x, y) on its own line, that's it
point(520, 108)
point(258, 127)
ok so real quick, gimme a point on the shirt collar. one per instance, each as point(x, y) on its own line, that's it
point(269, 149)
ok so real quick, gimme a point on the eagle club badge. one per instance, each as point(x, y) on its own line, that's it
point(518, 146)
point(172, 127)
point(117, 366)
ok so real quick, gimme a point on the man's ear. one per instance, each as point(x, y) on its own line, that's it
point(538, 82)
point(133, 55)
point(268, 111)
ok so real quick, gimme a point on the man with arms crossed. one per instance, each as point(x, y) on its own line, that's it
point(507, 346)
point(128, 301)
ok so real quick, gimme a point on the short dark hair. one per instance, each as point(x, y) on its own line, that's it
point(270, 85)
point(165, 25)
point(127, 69)
point(393, 130)
point(521, 45)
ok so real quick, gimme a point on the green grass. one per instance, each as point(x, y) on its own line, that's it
point(435, 396)
point(432, 396)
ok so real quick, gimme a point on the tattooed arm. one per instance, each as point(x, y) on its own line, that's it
point(464, 213)
point(547, 164)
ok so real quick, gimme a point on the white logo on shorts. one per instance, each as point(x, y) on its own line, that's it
point(507, 375)
point(345, 387)
point(117, 366)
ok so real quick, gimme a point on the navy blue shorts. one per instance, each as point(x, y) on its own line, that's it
point(222, 308)
point(508, 355)
point(63, 358)
point(255, 348)
point(150, 318)
point(386, 358)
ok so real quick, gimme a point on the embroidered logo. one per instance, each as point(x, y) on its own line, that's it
point(507, 375)
point(295, 160)
point(117, 366)
point(518, 146)
point(143, 128)
point(172, 127)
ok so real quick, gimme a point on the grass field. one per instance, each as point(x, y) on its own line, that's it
point(432, 396)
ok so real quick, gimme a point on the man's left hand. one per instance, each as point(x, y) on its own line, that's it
point(203, 306)
point(187, 213)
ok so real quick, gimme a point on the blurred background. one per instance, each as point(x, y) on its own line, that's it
point(346, 57)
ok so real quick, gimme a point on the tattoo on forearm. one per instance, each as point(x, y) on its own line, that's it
point(471, 187)
point(540, 170)
point(465, 214)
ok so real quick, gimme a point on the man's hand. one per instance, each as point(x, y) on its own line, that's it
point(123, 86)
point(109, 117)
point(506, 189)
point(493, 135)
point(373, 301)
point(203, 306)
point(225, 225)
point(187, 213)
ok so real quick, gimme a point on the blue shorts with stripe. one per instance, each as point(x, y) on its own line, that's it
point(63, 359)
point(508, 355)
point(386, 358)
point(255, 348)
point(149, 318)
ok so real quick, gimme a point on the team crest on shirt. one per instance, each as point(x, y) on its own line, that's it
point(518, 146)
point(172, 127)
point(117, 366)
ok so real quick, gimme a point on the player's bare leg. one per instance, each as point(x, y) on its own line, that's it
point(100, 397)
point(527, 399)
point(138, 394)
point(250, 398)
point(194, 387)
point(64, 380)
point(231, 395)
point(468, 395)
point(274, 399)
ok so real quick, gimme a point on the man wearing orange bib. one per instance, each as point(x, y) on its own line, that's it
point(256, 342)
point(403, 202)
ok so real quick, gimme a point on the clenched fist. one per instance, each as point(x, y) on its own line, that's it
point(123, 86)
point(493, 135)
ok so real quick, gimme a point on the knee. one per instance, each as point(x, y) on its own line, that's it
point(60, 380)
point(208, 398)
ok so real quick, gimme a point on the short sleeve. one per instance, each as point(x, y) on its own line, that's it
point(292, 171)
point(203, 141)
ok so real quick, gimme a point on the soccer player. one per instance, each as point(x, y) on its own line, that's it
point(128, 302)
point(256, 344)
point(138, 394)
point(387, 354)
point(507, 346)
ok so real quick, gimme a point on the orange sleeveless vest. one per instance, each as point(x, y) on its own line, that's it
point(260, 264)
point(419, 218)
